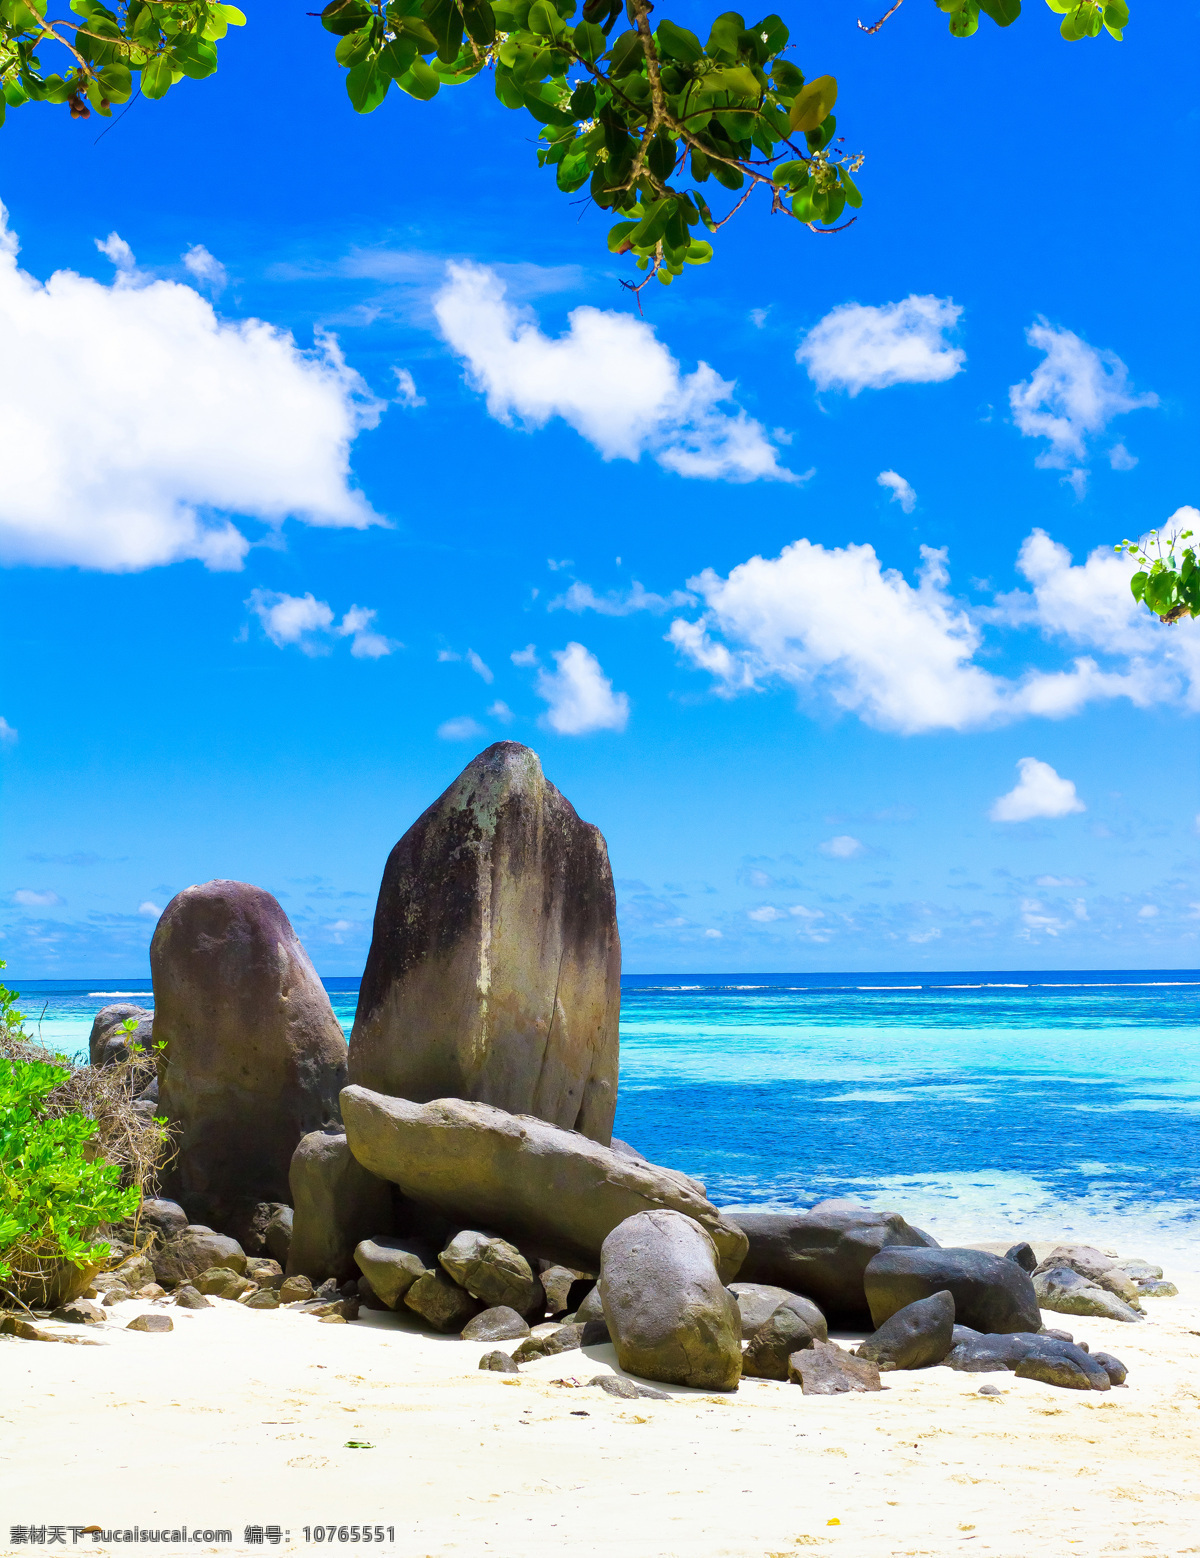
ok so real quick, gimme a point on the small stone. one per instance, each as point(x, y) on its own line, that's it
point(1061, 1336)
point(223, 1282)
point(391, 1266)
point(16, 1325)
point(116, 1296)
point(267, 1273)
point(151, 1323)
point(80, 1312)
point(133, 1273)
point(329, 1289)
point(1113, 1367)
point(188, 1297)
point(989, 1390)
point(498, 1363)
point(331, 1320)
point(565, 1339)
point(498, 1324)
point(627, 1389)
point(557, 1282)
point(295, 1290)
point(151, 1290)
point(795, 1324)
point(493, 1271)
point(595, 1333)
point(264, 1298)
point(825, 1370)
point(1156, 1289)
point(1139, 1270)
point(1023, 1255)
point(438, 1299)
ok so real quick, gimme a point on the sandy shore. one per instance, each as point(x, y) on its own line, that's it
point(242, 1417)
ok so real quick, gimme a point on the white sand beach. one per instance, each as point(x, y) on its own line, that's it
point(243, 1417)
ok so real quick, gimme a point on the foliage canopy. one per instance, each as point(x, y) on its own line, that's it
point(1168, 580)
point(627, 112)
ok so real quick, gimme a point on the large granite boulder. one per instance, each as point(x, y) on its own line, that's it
point(915, 1337)
point(196, 1249)
point(824, 1369)
point(253, 1056)
point(161, 1217)
point(437, 1298)
point(493, 1271)
point(554, 1192)
point(990, 1294)
point(1032, 1355)
point(668, 1314)
point(499, 1324)
point(1094, 1266)
point(494, 969)
point(107, 1047)
point(336, 1204)
point(823, 1253)
point(1063, 1290)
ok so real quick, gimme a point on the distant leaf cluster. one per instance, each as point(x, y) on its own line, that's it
point(639, 116)
point(155, 41)
point(1168, 581)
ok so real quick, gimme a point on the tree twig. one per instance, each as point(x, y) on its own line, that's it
point(864, 28)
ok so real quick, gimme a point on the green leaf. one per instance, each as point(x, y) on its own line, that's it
point(626, 55)
point(367, 86)
point(677, 43)
point(618, 237)
point(397, 57)
point(1002, 12)
point(1116, 15)
point(723, 39)
point(583, 100)
point(813, 105)
point(233, 17)
point(788, 80)
point(790, 172)
point(965, 21)
point(699, 252)
point(194, 56)
point(420, 82)
point(354, 47)
point(117, 83)
point(771, 35)
point(652, 226)
point(481, 22)
point(157, 77)
point(590, 41)
point(342, 16)
point(853, 195)
point(545, 20)
point(820, 138)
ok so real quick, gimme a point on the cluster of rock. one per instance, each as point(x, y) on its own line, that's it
point(457, 1161)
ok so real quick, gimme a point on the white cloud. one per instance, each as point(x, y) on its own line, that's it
point(30, 898)
point(580, 696)
point(139, 423)
point(581, 597)
point(902, 492)
point(609, 377)
point(843, 847)
point(1148, 911)
point(464, 728)
point(1062, 881)
point(8, 734)
point(501, 711)
point(857, 346)
point(302, 620)
point(150, 910)
point(115, 248)
point(406, 389)
point(1039, 792)
point(764, 915)
point(833, 622)
point(478, 665)
point(526, 656)
point(205, 267)
point(1071, 397)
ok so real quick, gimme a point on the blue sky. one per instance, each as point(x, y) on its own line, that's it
point(268, 587)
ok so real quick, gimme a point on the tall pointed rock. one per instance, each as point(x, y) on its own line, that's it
point(495, 966)
point(254, 1057)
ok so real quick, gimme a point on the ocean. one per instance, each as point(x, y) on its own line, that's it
point(982, 1106)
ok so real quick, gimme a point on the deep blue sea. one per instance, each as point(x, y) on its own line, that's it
point(980, 1105)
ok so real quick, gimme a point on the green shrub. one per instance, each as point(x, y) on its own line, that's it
point(51, 1192)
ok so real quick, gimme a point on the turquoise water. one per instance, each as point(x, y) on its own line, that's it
point(982, 1106)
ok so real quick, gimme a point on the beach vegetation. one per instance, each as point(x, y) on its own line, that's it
point(76, 1156)
point(632, 114)
point(1167, 582)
